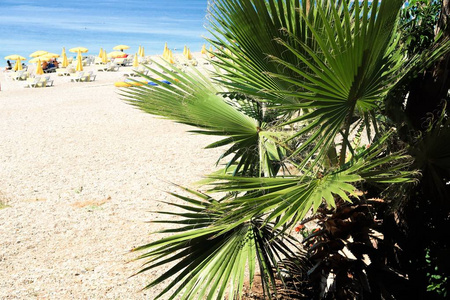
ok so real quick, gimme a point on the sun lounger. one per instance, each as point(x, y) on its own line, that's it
point(120, 61)
point(42, 81)
point(142, 70)
point(103, 67)
point(77, 76)
point(47, 81)
point(113, 68)
point(19, 75)
point(50, 70)
point(62, 72)
point(90, 76)
point(32, 82)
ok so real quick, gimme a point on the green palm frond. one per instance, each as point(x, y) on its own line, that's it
point(243, 33)
point(193, 99)
point(208, 261)
point(357, 65)
point(287, 200)
point(431, 151)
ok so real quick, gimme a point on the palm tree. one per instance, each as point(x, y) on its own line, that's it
point(299, 97)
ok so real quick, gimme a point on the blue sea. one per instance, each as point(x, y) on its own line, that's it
point(27, 26)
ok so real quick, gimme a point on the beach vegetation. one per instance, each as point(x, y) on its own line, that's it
point(334, 180)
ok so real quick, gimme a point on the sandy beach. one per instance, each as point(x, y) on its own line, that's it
point(81, 172)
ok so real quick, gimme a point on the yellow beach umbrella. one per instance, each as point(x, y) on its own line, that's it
point(48, 56)
point(121, 47)
point(52, 55)
point(136, 61)
point(104, 57)
point(65, 63)
point(166, 51)
point(39, 59)
point(188, 54)
point(142, 52)
point(203, 51)
point(79, 63)
point(185, 50)
point(38, 53)
point(169, 58)
point(15, 57)
point(139, 50)
point(210, 54)
point(39, 70)
point(100, 53)
point(115, 54)
point(78, 49)
point(18, 65)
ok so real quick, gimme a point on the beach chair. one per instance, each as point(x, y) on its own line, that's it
point(120, 61)
point(77, 76)
point(32, 82)
point(93, 76)
point(42, 81)
point(18, 75)
point(113, 67)
point(103, 68)
point(88, 77)
point(48, 81)
point(62, 72)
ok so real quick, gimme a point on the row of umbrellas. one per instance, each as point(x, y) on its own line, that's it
point(41, 55)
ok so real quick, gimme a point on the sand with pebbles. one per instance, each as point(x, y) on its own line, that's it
point(81, 171)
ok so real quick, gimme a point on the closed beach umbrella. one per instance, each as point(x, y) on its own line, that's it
point(79, 63)
point(136, 61)
point(104, 57)
point(100, 54)
point(38, 53)
point(166, 51)
point(185, 50)
point(79, 49)
point(121, 47)
point(65, 63)
point(170, 57)
point(203, 51)
point(139, 50)
point(39, 70)
point(211, 51)
point(142, 52)
point(188, 54)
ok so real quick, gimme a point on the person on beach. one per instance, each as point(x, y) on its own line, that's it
point(44, 65)
point(9, 66)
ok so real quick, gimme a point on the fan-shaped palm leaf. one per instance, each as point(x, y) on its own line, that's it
point(244, 32)
point(209, 261)
point(287, 200)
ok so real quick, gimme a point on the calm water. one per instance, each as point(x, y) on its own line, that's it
point(27, 26)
